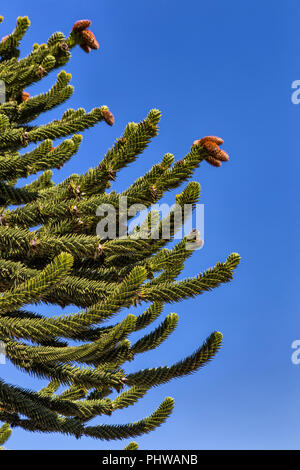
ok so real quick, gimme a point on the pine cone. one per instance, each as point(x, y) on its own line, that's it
point(212, 138)
point(213, 161)
point(80, 25)
point(108, 117)
point(215, 156)
point(89, 39)
point(24, 96)
point(215, 151)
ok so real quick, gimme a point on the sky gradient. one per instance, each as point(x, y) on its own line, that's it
point(212, 68)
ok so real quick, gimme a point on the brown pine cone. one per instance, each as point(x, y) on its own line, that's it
point(215, 156)
point(24, 96)
point(108, 117)
point(215, 151)
point(89, 39)
point(80, 25)
point(212, 138)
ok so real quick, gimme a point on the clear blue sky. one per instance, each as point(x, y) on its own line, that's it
point(221, 68)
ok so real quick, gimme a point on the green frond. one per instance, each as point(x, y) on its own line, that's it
point(144, 426)
point(5, 433)
point(159, 375)
point(131, 446)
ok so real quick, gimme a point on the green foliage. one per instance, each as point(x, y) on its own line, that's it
point(5, 432)
point(50, 253)
point(132, 446)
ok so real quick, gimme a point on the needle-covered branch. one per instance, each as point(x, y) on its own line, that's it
point(51, 252)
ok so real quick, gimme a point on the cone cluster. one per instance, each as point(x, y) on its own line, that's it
point(215, 156)
point(88, 40)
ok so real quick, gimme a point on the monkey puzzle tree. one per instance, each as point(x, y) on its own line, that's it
point(51, 253)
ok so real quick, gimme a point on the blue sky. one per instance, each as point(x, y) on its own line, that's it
point(220, 68)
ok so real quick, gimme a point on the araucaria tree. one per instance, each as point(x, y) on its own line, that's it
point(51, 252)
